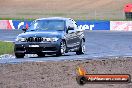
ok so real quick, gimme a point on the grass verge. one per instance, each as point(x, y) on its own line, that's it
point(6, 48)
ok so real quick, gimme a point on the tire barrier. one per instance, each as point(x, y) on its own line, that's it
point(82, 25)
point(128, 11)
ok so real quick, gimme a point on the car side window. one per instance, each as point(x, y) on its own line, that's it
point(71, 24)
point(75, 25)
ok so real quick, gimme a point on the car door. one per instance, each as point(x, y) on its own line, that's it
point(71, 35)
point(77, 34)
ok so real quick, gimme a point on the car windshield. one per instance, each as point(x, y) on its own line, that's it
point(47, 25)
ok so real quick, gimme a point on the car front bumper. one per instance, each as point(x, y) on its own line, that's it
point(34, 48)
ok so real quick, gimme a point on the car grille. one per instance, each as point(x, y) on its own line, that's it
point(34, 39)
point(34, 49)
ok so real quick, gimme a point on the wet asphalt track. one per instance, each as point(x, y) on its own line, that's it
point(98, 44)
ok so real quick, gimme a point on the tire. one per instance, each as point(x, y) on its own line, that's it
point(81, 49)
point(62, 49)
point(19, 55)
point(41, 54)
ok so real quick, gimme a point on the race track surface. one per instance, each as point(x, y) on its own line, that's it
point(98, 44)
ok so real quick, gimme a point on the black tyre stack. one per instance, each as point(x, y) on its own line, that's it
point(128, 15)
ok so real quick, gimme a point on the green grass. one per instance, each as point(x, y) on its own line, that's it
point(6, 48)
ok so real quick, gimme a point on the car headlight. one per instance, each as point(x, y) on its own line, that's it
point(20, 39)
point(50, 39)
point(55, 39)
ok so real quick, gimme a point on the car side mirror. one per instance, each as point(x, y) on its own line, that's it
point(24, 29)
point(70, 28)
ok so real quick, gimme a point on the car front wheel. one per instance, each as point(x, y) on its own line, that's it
point(62, 49)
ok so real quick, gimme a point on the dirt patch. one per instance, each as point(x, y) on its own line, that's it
point(78, 9)
point(61, 74)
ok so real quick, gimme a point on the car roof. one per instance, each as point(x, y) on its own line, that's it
point(54, 18)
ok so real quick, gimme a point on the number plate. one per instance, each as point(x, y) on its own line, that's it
point(33, 45)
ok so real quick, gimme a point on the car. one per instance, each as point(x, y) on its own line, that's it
point(128, 11)
point(52, 35)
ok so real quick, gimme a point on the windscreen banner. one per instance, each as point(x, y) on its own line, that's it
point(121, 25)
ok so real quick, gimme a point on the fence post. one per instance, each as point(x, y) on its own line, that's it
point(95, 14)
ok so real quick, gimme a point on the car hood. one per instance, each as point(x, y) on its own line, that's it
point(49, 34)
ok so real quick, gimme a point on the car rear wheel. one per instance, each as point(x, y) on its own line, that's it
point(19, 55)
point(81, 49)
point(62, 49)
